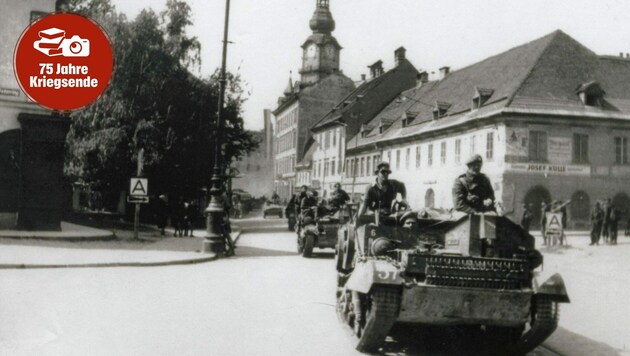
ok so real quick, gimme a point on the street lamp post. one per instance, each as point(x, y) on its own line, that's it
point(214, 240)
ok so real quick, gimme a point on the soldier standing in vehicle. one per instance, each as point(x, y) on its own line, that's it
point(308, 202)
point(472, 191)
point(339, 197)
point(382, 193)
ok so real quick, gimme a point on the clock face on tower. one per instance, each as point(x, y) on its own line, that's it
point(311, 50)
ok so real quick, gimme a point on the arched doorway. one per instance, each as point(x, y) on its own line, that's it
point(429, 199)
point(580, 209)
point(533, 198)
point(621, 201)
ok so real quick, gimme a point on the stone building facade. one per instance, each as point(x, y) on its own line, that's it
point(348, 116)
point(31, 139)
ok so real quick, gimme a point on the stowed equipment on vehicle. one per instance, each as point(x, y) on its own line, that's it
point(317, 227)
point(473, 270)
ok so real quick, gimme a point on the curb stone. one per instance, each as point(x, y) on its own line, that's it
point(188, 261)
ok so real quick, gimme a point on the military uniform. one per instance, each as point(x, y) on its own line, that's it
point(339, 198)
point(470, 191)
point(382, 196)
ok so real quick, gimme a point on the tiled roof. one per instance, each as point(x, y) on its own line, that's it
point(373, 87)
point(540, 75)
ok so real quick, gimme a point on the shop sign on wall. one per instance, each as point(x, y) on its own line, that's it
point(559, 149)
point(552, 169)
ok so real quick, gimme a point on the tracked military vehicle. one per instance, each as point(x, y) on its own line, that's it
point(473, 271)
point(318, 228)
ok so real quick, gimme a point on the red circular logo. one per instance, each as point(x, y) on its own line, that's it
point(63, 61)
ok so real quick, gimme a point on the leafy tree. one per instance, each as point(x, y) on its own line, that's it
point(153, 103)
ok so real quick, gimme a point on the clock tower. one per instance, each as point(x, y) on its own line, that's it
point(320, 56)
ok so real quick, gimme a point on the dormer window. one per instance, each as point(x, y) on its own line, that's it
point(591, 94)
point(440, 109)
point(408, 118)
point(365, 130)
point(384, 125)
point(481, 97)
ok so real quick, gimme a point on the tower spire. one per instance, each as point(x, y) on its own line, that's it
point(322, 20)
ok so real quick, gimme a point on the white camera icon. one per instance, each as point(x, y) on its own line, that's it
point(75, 46)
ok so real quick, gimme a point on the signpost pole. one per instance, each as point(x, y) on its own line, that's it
point(136, 216)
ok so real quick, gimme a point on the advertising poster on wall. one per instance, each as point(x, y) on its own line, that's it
point(517, 141)
point(559, 150)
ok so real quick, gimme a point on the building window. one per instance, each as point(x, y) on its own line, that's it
point(458, 151)
point(389, 157)
point(407, 157)
point(319, 169)
point(362, 171)
point(326, 167)
point(332, 167)
point(347, 168)
point(418, 156)
point(430, 155)
point(377, 160)
point(538, 146)
point(367, 165)
point(327, 139)
point(621, 150)
point(443, 153)
point(580, 148)
point(397, 159)
point(335, 138)
point(490, 145)
point(355, 169)
point(473, 141)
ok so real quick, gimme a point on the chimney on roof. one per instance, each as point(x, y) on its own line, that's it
point(362, 77)
point(376, 69)
point(444, 72)
point(422, 78)
point(621, 54)
point(399, 55)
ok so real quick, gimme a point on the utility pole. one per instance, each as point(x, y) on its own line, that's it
point(136, 215)
point(214, 240)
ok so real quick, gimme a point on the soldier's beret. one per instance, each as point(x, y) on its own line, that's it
point(474, 159)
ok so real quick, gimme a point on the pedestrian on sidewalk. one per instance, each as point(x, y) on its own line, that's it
point(597, 219)
point(161, 213)
point(189, 218)
point(544, 209)
point(526, 220)
point(177, 217)
point(613, 223)
point(606, 223)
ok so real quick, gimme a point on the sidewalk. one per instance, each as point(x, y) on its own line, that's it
point(79, 246)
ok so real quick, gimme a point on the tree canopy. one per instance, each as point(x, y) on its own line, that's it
point(154, 103)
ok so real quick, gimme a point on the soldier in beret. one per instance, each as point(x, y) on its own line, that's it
point(383, 192)
point(472, 191)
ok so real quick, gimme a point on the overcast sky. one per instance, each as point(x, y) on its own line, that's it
point(267, 34)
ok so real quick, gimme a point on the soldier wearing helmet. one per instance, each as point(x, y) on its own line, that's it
point(472, 191)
